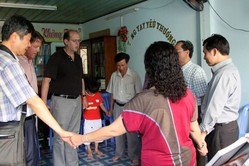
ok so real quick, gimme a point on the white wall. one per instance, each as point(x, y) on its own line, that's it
point(175, 15)
point(235, 13)
point(187, 24)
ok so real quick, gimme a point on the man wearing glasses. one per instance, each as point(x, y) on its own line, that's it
point(195, 78)
point(63, 78)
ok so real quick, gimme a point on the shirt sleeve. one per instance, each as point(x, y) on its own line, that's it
point(200, 83)
point(132, 119)
point(110, 84)
point(15, 85)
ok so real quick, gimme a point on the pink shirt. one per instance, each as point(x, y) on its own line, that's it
point(29, 71)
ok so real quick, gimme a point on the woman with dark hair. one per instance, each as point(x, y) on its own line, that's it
point(165, 114)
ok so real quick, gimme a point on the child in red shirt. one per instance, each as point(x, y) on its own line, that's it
point(92, 113)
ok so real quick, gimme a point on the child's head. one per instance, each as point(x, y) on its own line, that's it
point(93, 86)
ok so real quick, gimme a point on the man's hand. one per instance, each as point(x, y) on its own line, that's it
point(203, 149)
point(85, 103)
point(110, 113)
point(65, 136)
point(77, 140)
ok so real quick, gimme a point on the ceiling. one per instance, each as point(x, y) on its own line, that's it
point(68, 11)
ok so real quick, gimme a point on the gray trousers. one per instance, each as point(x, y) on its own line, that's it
point(133, 140)
point(68, 114)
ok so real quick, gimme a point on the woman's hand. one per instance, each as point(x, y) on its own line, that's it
point(77, 139)
point(203, 149)
point(66, 137)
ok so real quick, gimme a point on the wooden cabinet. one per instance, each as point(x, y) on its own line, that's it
point(40, 61)
point(98, 58)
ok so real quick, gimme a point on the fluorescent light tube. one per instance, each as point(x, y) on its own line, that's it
point(27, 6)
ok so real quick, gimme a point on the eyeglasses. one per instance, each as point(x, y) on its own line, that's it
point(75, 40)
point(35, 47)
point(178, 51)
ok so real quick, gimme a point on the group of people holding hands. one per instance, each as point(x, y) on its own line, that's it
point(160, 122)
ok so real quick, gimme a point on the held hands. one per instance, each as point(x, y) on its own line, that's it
point(66, 136)
point(77, 140)
point(73, 139)
point(85, 103)
point(203, 148)
point(108, 113)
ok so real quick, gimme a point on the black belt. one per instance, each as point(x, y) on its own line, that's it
point(224, 124)
point(2, 124)
point(66, 96)
point(30, 117)
point(120, 104)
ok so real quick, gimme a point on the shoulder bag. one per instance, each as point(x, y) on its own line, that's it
point(12, 141)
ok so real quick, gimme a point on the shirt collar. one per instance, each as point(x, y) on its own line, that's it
point(221, 64)
point(187, 65)
point(128, 72)
point(25, 58)
point(6, 49)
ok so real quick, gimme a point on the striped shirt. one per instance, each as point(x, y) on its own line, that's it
point(196, 80)
point(14, 88)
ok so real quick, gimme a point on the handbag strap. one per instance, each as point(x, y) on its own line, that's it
point(24, 112)
point(24, 106)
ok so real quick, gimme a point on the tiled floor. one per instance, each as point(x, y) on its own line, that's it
point(105, 160)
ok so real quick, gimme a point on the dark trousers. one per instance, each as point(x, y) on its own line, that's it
point(222, 136)
point(31, 143)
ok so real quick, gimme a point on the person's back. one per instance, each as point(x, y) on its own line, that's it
point(164, 127)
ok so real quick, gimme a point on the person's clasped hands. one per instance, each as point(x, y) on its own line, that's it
point(203, 149)
point(77, 139)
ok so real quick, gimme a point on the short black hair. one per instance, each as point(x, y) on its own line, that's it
point(187, 45)
point(217, 41)
point(93, 85)
point(37, 35)
point(18, 24)
point(120, 56)
point(67, 34)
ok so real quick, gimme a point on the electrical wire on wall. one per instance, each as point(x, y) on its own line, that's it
point(238, 29)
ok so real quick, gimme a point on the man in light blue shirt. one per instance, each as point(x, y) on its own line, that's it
point(221, 104)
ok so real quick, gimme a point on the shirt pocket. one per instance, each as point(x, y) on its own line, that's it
point(130, 89)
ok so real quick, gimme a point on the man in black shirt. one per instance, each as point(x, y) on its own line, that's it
point(63, 78)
